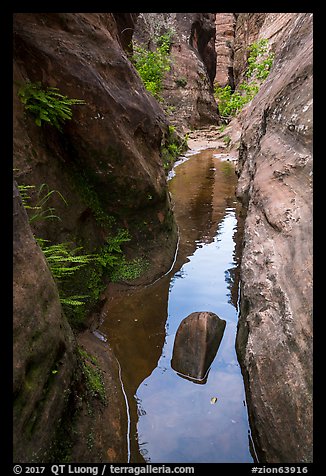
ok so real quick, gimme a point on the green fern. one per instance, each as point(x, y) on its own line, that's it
point(62, 259)
point(39, 212)
point(79, 276)
point(46, 104)
point(73, 300)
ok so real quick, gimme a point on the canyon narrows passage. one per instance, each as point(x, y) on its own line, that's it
point(173, 419)
point(162, 180)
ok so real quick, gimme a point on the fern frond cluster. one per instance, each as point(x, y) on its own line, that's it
point(93, 375)
point(72, 301)
point(63, 259)
point(38, 211)
point(152, 65)
point(79, 276)
point(47, 104)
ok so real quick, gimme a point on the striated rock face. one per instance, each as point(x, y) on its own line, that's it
point(188, 91)
point(44, 362)
point(224, 47)
point(274, 339)
point(196, 343)
point(109, 154)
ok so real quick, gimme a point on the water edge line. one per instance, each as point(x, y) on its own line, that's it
point(127, 410)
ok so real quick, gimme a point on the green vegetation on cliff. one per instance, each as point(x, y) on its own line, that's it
point(259, 61)
point(172, 147)
point(93, 375)
point(40, 210)
point(81, 277)
point(152, 65)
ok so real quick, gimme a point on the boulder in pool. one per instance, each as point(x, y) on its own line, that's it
point(195, 345)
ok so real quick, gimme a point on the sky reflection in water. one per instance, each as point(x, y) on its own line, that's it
point(177, 421)
point(173, 419)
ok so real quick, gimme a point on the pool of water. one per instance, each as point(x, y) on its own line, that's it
point(173, 419)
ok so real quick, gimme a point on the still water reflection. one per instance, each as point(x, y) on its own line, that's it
point(171, 418)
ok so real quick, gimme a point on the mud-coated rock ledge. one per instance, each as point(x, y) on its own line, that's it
point(274, 340)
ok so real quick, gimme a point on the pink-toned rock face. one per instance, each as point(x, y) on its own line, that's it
point(224, 47)
point(275, 181)
point(114, 142)
point(196, 343)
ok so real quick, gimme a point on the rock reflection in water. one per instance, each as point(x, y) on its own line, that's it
point(172, 420)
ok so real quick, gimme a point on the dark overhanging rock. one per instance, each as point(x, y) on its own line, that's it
point(195, 346)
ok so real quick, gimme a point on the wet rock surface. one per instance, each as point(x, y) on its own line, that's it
point(114, 141)
point(100, 432)
point(274, 339)
point(196, 343)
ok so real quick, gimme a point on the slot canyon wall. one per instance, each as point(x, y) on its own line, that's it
point(106, 163)
point(274, 339)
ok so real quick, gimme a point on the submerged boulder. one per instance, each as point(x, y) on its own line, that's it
point(196, 343)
